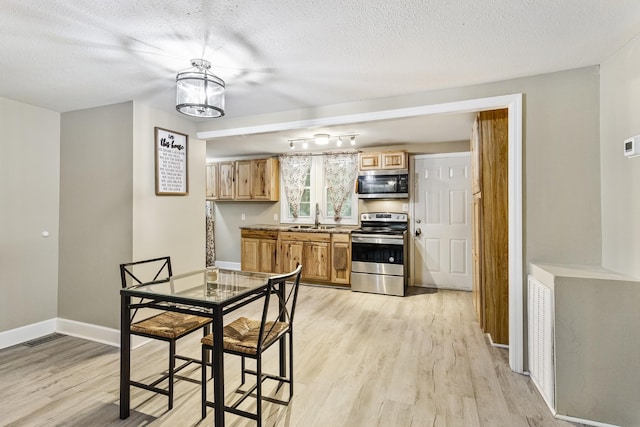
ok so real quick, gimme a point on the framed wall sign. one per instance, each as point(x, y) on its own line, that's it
point(172, 169)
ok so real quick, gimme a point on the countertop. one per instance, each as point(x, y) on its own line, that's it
point(306, 228)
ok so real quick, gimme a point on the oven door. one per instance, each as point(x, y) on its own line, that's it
point(377, 253)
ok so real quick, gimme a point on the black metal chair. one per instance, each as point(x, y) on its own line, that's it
point(250, 338)
point(167, 326)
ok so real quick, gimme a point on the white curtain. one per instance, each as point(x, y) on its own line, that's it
point(340, 171)
point(294, 169)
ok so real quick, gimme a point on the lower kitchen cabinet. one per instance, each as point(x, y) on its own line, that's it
point(340, 258)
point(325, 257)
point(312, 250)
point(259, 251)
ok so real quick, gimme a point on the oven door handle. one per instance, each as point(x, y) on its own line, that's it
point(377, 239)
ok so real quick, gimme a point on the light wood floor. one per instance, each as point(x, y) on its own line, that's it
point(360, 359)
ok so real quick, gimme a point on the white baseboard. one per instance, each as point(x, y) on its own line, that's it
point(73, 328)
point(496, 345)
point(228, 265)
point(96, 333)
point(583, 421)
point(27, 333)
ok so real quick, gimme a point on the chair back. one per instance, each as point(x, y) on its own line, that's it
point(146, 271)
point(283, 292)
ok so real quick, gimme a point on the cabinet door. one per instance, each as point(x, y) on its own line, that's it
point(394, 160)
point(250, 254)
point(315, 261)
point(227, 176)
point(267, 261)
point(291, 255)
point(212, 181)
point(243, 179)
point(369, 161)
point(261, 179)
point(341, 259)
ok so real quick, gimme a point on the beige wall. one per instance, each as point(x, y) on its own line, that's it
point(228, 221)
point(109, 213)
point(619, 120)
point(29, 194)
point(167, 225)
point(95, 211)
point(562, 219)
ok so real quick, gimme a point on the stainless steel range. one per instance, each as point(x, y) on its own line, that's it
point(379, 254)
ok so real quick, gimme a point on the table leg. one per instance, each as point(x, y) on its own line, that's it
point(218, 367)
point(125, 355)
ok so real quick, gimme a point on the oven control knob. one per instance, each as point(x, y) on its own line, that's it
point(391, 259)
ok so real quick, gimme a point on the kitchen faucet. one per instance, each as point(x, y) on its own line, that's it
point(317, 215)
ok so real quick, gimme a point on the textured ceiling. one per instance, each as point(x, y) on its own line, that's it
point(281, 55)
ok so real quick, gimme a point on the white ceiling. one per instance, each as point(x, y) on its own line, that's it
point(280, 55)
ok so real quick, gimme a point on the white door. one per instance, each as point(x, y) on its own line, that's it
point(441, 222)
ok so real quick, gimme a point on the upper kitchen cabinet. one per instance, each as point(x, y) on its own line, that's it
point(226, 174)
point(383, 160)
point(212, 181)
point(258, 179)
point(245, 180)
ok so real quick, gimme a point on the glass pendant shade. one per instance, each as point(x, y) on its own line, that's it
point(199, 92)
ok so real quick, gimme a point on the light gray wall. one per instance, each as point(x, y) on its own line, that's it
point(109, 213)
point(96, 203)
point(29, 192)
point(619, 120)
point(228, 221)
point(562, 221)
point(167, 225)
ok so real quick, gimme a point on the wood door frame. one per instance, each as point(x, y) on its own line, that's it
point(514, 104)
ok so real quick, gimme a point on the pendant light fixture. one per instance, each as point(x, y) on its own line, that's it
point(199, 92)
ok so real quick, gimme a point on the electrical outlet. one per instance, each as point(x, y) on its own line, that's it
point(405, 207)
point(243, 217)
point(275, 216)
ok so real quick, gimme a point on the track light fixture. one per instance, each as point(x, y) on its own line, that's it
point(323, 139)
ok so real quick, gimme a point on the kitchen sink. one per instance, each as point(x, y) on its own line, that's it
point(311, 227)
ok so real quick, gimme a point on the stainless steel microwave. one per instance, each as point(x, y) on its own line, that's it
point(383, 184)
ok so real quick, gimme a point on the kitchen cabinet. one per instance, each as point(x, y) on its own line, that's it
point(259, 250)
point(212, 181)
point(257, 179)
point(244, 180)
point(340, 258)
point(226, 175)
point(383, 160)
point(490, 239)
point(310, 249)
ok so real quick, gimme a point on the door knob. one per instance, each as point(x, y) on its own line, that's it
point(418, 231)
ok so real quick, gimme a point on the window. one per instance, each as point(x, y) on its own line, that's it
point(316, 192)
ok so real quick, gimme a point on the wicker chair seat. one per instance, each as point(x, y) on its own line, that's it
point(169, 325)
point(241, 335)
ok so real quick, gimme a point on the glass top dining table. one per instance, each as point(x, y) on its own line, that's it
point(202, 292)
point(202, 287)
